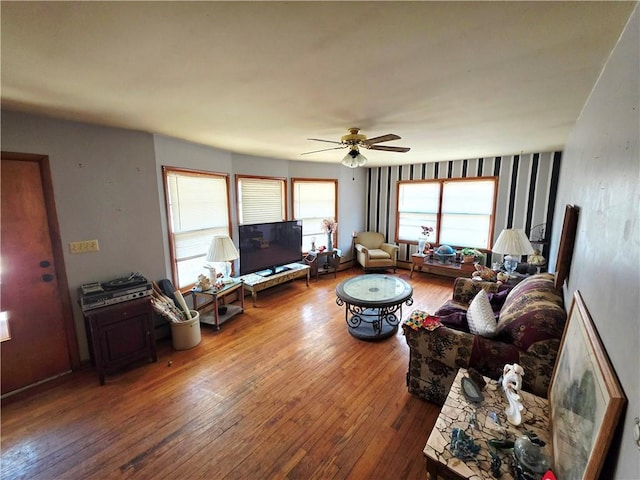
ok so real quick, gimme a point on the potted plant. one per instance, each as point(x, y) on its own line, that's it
point(470, 255)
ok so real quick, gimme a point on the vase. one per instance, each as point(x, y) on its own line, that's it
point(422, 245)
point(329, 242)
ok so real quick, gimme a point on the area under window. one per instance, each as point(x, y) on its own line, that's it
point(313, 201)
point(460, 211)
point(261, 199)
point(197, 209)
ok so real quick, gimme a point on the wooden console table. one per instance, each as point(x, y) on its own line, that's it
point(423, 263)
point(255, 283)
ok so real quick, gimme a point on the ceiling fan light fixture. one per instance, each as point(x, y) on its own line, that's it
point(354, 159)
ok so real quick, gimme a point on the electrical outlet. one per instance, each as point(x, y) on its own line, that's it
point(85, 246)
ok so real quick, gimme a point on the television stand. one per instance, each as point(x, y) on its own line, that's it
point(273, 271)
point(255, 283)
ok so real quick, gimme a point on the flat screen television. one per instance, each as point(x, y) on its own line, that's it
point(265, 248)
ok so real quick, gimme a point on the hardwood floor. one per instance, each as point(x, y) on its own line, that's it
point(281, 391)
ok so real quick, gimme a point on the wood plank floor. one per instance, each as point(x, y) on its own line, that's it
point(281, 391)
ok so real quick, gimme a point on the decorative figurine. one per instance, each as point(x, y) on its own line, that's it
point(462, 446)
point(203, 283)
point(511, 384)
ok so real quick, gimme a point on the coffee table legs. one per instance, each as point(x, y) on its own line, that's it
point(372, 323)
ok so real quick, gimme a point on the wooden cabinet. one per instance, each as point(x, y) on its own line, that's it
point(120, 335)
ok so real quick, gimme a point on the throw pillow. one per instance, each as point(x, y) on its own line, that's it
point(480, 316)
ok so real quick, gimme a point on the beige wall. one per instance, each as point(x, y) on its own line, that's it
point(600, 175)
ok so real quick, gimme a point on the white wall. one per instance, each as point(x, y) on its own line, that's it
point(105, 189)
point(108, 186)
point(600, 174)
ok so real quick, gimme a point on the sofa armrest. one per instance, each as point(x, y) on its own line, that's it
point(445, 345)
point(362, 249)
point(538, 363)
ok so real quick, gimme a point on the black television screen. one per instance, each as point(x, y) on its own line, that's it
point(266, 247)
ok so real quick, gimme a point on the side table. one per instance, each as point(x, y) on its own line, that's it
point(215, 295)
point(324, 262)
point(456, 413)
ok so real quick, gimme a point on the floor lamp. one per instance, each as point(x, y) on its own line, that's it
point(513, 243)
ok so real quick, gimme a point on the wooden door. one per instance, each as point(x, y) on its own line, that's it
point(34, 297)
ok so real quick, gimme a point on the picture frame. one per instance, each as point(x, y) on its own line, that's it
point(567, 240)
point(585, 399)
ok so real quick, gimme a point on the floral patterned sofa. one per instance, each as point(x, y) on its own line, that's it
point(530, 320)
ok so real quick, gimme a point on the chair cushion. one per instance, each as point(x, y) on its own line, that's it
point(480, 316)
point(377, 254)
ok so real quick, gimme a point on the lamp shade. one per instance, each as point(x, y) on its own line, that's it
point(354, 159)
point(222, 249)
point(513, 241)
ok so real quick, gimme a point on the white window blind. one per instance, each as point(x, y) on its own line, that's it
point(459, 211)
point(313, 201)
point(467, 208)
point(198, 209)
point(260, 200)
point(417, 207)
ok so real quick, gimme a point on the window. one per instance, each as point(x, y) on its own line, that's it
point(313, 201)
point(197, 209)
point(261, 199)
point(461, 211)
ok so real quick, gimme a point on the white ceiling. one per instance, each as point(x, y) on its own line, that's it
point(454, 79)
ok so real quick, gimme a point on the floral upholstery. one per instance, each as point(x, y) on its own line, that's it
point(531, 318)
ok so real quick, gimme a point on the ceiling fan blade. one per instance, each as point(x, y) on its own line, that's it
point(324, 150)
point(321, 140)
point(382, 138)
point(389, 149)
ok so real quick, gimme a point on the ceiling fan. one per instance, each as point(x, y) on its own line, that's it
point(354, 140)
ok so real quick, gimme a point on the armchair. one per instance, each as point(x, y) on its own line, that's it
point(373, 252)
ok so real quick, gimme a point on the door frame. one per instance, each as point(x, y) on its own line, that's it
point(56, 246)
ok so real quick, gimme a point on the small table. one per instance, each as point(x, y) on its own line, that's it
point(457, 411)
point(216, 294)
point(372, 301)
point(324, 262)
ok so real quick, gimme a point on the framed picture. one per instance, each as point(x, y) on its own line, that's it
point(585, 399)
point(567, 239)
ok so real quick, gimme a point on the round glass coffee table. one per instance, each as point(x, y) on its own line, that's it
point(372, 302)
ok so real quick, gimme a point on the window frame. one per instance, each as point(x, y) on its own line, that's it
point(437, 230)
point(166, 170)
point(240, 177)
point(335, 205)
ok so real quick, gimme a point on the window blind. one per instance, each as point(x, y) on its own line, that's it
point(260, 200)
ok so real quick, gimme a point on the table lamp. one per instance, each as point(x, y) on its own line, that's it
point(513, 243)
point(222, 250)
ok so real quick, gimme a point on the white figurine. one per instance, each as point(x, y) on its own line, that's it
point(511, 384)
